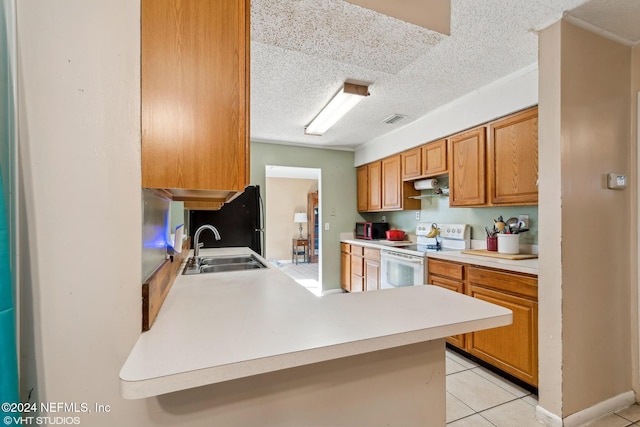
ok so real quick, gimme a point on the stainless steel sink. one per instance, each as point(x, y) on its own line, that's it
point(218, 264)
point(235, 259)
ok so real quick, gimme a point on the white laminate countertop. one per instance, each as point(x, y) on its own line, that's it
point(223, 326)
point(529, 266)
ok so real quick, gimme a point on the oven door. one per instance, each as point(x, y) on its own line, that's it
point(400, 269)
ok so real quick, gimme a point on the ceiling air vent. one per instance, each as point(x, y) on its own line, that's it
point(394, 118)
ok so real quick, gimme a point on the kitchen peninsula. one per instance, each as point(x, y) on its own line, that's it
point(262, 349)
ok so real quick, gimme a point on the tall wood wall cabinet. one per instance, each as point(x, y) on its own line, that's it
point(195, 98)
point(313, 215)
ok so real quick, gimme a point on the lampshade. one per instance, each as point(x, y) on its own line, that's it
point(300, 217)
point(341, 103)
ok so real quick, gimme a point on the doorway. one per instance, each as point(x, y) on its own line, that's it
point(293, 239)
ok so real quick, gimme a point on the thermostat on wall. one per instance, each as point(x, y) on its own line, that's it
point(616, 181)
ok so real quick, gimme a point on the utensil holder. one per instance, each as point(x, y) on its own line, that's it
point(492, 243)
point(508, 243)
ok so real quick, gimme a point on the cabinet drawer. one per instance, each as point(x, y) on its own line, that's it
point(445, 268)
point(345, 247)
point(372, 253)
point(357, 250)
point(515, 284)
point(357, 268)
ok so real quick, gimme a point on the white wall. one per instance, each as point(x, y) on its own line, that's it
point(512, 93)
point(79, 142)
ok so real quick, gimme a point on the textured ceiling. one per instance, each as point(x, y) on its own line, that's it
point(619, 17)
point(303, 50)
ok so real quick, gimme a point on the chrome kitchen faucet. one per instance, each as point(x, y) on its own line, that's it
point(196, 244)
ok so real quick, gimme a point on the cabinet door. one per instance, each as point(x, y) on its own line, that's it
point(374, 180)
point(345, 271)
point(391, 183)
point(371, 274)
point(513, 159)
point(434, 158)
point(467, 168)
point(412, 163)
point(194, 96)
point(512, 348)
point(362, 177)
point(456, 286)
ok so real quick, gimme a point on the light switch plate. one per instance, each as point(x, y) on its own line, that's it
point(616, 181)
point(326, 226)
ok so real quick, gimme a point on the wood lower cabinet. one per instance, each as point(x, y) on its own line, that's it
point(512, 348)
point(345, 266)
point(195, 98)
point(512, 159)
point(371, 269)
point(359, 268)
point(448, 275)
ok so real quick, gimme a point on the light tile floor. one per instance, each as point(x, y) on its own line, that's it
point(476, 397)
point(304, 273)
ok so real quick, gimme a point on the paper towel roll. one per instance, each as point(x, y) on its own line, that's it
point(425, 184)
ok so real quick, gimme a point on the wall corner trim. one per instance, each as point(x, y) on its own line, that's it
point(547, 418)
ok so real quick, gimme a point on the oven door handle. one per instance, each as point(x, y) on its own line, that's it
point(411, 259)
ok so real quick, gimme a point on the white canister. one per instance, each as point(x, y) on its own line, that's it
point(508, 243)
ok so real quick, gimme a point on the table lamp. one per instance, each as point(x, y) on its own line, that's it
point(300, 218)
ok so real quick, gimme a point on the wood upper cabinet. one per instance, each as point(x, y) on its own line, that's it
point(380, 182)
point(195, 98)
point(426, 161)
point(434, 158)
point(391, 183)
point(467, 168)
point(512, 159)
point(412, 163)
point(374, 190)
point(362, 178)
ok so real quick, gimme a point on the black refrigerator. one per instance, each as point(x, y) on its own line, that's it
point(239, 222)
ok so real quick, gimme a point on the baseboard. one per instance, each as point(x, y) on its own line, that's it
point(547, 418)
point(587, 415)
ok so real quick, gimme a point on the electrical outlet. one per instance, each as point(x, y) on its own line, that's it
point(417, 215)
point(326, 226)
point(384, 218)
point(525, 219)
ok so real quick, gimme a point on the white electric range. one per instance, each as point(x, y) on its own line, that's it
point(407, 265)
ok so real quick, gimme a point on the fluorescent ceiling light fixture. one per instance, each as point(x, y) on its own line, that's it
point(342, 102)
